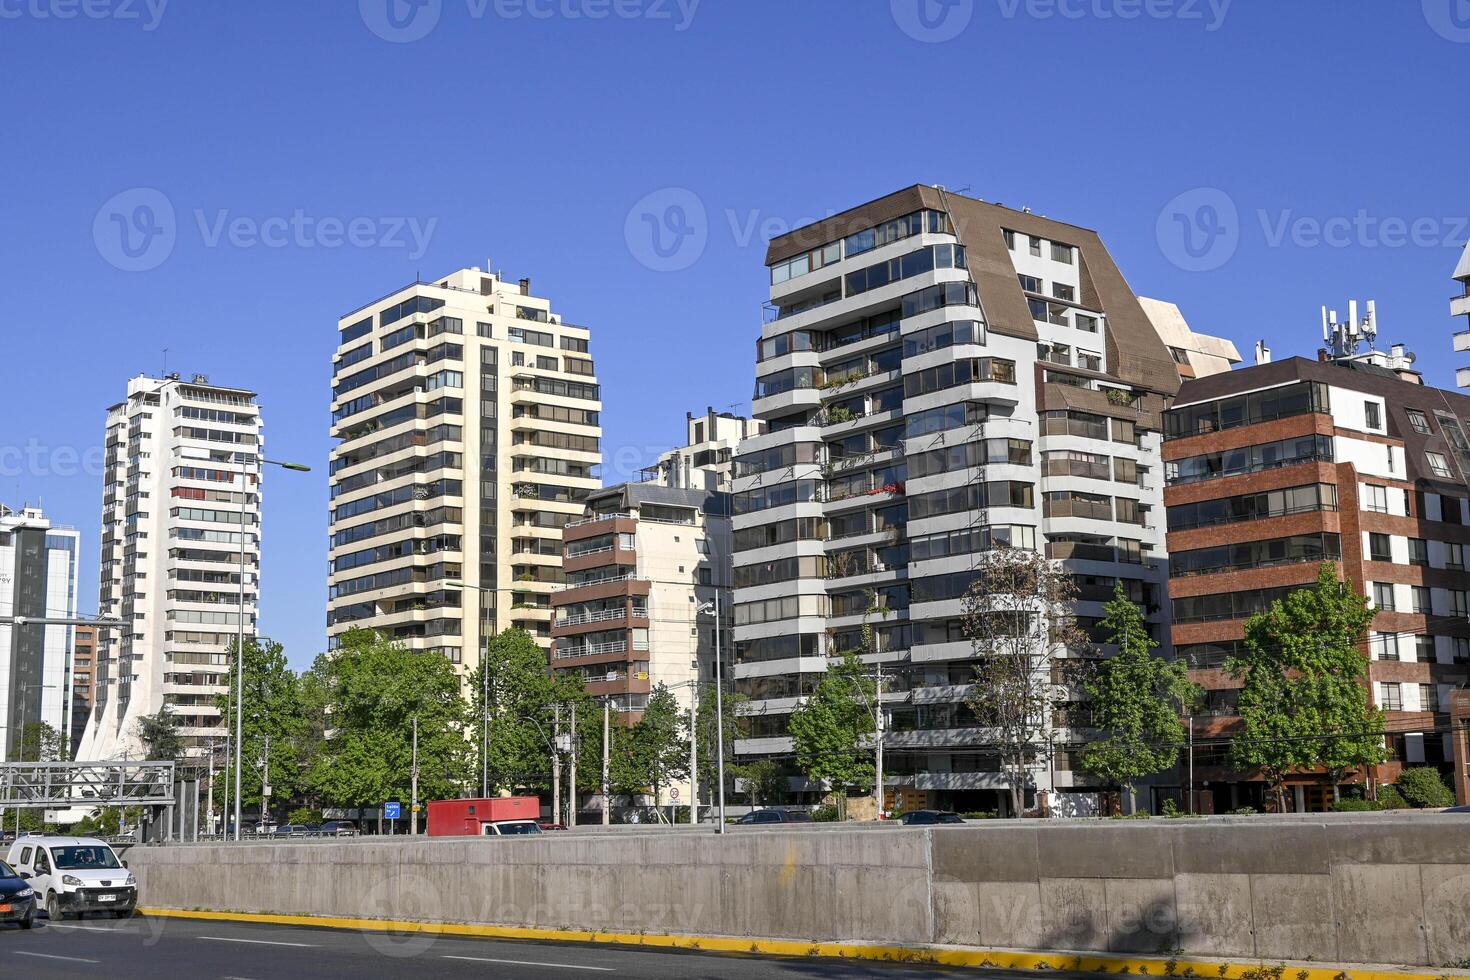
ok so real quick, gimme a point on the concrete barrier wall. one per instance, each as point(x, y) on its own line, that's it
point(1372, 891)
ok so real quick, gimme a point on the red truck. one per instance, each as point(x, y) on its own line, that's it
point(477, 818)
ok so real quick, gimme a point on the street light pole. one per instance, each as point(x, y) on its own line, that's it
point(606, 789)
point(720, 711)
point(413, 804)
point(572, 795)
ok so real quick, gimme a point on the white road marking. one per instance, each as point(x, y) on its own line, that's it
point(257, 942)
point(52, 956)
point(58, 925)
point(559, 966)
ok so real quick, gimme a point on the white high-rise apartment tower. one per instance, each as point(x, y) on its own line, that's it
point(467, 415)
point(38, 580)
point(181, 487)
point(939, 377)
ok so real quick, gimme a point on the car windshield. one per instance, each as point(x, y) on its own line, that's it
point(6, 871)
point(518, 828)
point(951, 818)
point(800, 816)
point(83, 857)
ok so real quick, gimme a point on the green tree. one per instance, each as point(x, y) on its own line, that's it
point(158, 734)
point(375, 688)
point(1423, 787)
point(832, 729)
point(706, 721)
point(1303, 703)
point(658, 744)
point(765, 780)
point(1136, 700)
point(521, 703)
point(41, 742)
point(274, 717)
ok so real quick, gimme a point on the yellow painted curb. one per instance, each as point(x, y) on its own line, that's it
point(937, 955)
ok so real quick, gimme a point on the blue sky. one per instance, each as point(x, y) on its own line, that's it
point(1313, 150)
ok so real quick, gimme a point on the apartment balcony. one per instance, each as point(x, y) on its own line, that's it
point(607, 648)
point(1460, 306)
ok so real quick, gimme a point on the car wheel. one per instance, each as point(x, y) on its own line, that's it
point(53, 908)
point(28, 921)
point(123, 913)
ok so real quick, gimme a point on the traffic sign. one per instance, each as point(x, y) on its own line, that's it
point(674, 792)
point(391, 811)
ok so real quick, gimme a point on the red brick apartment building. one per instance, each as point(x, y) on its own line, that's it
point(1274, 468)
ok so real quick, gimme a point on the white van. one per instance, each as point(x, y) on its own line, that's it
point(74, 874)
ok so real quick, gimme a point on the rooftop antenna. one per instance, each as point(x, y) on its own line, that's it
point(1343, 337)
point(165, 362)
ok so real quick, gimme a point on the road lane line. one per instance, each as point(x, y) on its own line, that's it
point(58, 925)
point(559, 966)
point(53, 956)
point(257, 942)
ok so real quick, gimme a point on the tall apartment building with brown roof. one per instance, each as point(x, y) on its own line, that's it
point(1271, 470)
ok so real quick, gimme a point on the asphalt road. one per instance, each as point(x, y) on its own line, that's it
point(185, 949)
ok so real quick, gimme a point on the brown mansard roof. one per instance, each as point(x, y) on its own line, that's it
point(1134, 349)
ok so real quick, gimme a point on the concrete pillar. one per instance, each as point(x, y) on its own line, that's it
point(1299, 798)
point(1460, 741)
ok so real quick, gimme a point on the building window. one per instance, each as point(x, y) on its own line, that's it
point(1376, 499)
point(1459, 603)
point(1084, 322)
point(1429, 698)
point(1385, 646)
point(1383, 595)
point(1088, 360)
point(1379, 547)
point(1421, 598)
point(1391, 697)
point(1424, 649)
point(1418, 551)
point(1036, 246)
point(1063, 291)
point(1370, 414)
point(1454, 556)
point(1061, 253)
point(1459, 649)
point(1449, 510)
point(1419, 421)
point(1010, 237)
point(1030, 284)
point(1439, 465)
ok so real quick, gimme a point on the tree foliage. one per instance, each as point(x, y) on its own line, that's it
point(158, 736)
point(832, 728)
point(1422, 786)
point(1303, 702)
point(274, 715)
point(707, 725)
point(374, 690)
point(1136, 701)
point(656, 749)
point(514, 680)
point(1019, 621)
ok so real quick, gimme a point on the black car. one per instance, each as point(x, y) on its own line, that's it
point(923, 818)
point(17, 901)
point(775, 816)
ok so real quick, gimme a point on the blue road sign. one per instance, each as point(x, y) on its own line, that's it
point(391, 811)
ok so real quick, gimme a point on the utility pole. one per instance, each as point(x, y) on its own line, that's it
point(265, 781)
point(878, 795)
point(485, 723)
point(413, 803)
point(209, 790)
point(693, 753)
point(606, 789)
point(556, 763)
point(1190, 791)
point(719, 710)
point(572, 793)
